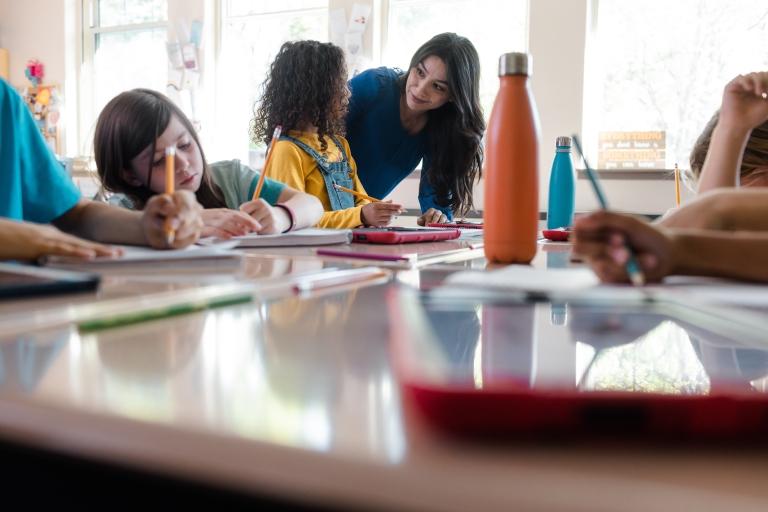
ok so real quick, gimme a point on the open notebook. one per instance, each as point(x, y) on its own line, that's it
point(307, 236)
point(145, 255)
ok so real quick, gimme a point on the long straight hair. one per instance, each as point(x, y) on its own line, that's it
point(455, 130)
point(129, 123)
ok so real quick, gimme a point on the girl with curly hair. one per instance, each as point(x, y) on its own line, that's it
point(430, 113)
point(306, 94)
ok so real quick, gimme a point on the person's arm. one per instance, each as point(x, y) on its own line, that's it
point(110, 224)
point(25, 241)
point(743, 108)
point(430, 210)
point(306, 209)
point(743, 209)
point(602, 239)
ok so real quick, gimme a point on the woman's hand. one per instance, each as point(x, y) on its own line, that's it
point(226, 223)
point(602, 238)
point(269, 219)
point(745, 102)
point(172, 221)
point(27, 241)
point(380, 213)
point(430, 216)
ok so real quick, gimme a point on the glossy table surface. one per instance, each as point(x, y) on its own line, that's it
point(296, 396)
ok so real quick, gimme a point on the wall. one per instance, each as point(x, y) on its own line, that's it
point(48, 30)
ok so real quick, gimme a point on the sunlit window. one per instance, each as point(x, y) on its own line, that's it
point(123, 48)
point(660, 66)
point(252, 33)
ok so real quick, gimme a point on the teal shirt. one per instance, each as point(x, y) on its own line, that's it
point(236, 181)
point(34, 186)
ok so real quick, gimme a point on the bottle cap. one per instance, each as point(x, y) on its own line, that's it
point(515, 64)
point(563, 141)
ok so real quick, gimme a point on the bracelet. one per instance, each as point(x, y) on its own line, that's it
point(291, 216)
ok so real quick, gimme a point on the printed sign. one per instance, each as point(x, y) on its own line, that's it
point(632, 150)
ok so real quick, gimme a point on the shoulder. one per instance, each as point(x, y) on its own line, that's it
point(374, 80)
point(229, 168)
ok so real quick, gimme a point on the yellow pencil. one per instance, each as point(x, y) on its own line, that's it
point(260, 184)
point(677, 186)
point(170, 186)
point(356, 193)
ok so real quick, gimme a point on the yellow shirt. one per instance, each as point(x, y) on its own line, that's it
point(296, 168)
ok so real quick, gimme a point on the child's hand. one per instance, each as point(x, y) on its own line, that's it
point(601, 238)
point(226, 223)
point(430, 216)
point(28, 241)
point(745, 104)
point(380, 213)
point(178, 212)
point(270, 220)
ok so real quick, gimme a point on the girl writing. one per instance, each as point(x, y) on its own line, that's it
point(133, 132)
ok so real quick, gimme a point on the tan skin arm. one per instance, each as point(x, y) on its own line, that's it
point(601, 239)
point(744, 209)
point(110, 224)
point(743, 108)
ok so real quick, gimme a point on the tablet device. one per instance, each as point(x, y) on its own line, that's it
point(477, 367)
point(402, 235)
point(18, 281)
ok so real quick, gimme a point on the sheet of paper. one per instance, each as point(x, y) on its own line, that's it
point(526, 278)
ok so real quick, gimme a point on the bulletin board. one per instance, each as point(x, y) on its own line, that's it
point(44, 101)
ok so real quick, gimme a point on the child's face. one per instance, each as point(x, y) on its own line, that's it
point(188, 163)
point(427, 85)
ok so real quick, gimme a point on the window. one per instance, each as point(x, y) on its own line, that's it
point(661, 66)
point(123, 48)
point(413, 22)
point(251, 35)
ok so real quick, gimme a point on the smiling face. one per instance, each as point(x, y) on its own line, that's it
point(427, 85)
point(148, 169)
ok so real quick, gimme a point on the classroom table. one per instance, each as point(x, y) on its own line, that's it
point(293, 400)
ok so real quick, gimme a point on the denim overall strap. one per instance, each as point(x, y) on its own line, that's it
point(339, 173)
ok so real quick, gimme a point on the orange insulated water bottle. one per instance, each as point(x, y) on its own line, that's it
point(511, 213)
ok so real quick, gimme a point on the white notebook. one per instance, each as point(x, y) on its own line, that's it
point(142, 255)
point(307, 236)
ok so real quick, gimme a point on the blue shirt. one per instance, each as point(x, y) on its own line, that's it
point(385, 153)
point(33, 185)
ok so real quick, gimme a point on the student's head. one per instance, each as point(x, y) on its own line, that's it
point(306, 87)
point(443, 80)
point(132, 133)
point(754, 163)
point(444, 69)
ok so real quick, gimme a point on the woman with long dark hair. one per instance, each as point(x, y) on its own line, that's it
point(431, 113)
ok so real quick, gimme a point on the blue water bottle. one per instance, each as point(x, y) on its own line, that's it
point(562, 187)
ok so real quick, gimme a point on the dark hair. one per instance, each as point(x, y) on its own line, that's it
point(129, 123)
point(306, 84)
point(755, 152)
point(455, 130)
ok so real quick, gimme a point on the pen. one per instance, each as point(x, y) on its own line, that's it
point(340, 277)
point(356, 193)
point(170, 186)
point(633, 269)
point(260, 184)
point(164, 306)
point(677, 186)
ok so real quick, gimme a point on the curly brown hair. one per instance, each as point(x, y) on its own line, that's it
point(306, 85)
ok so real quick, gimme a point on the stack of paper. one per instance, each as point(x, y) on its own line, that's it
point(308, 236)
